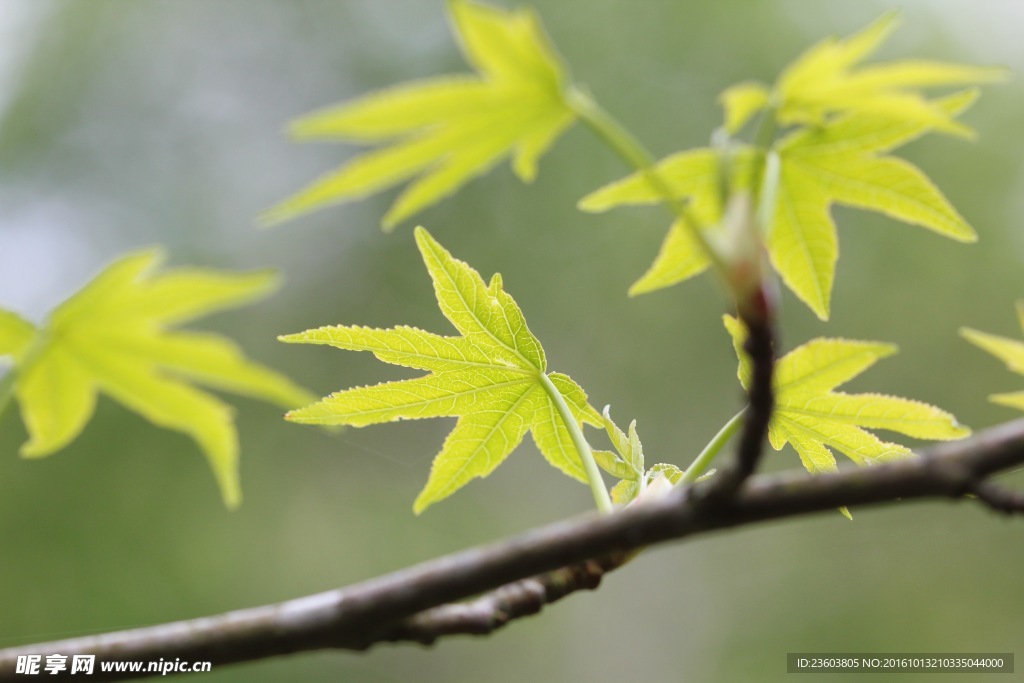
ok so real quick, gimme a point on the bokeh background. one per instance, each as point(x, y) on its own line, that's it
point(160, 122)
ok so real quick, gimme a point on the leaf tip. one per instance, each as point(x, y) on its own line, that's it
point(422, 502)
point(425, 242)
point(959, 431)
point(822, 310)
point(233, 499)
point(592, 203)
point(275, 215)
point(32, 451)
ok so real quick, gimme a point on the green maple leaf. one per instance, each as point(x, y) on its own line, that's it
point(813, 418)
point(493, 378)
point(446, 130)
point(844, 162)
point(115, 337)
point(626, 462)
point(828, 79)
point(851, 116)
point(1010, 351)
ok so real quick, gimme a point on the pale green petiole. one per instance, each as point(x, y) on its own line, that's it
point(714, 447)
point(597, 487)
point(6, 390)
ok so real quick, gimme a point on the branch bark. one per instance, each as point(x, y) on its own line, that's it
point(760, 348)
point(413, 604)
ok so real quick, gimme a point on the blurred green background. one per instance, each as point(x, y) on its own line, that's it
point(126, 124)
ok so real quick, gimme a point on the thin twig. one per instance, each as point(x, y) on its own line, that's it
point(999, 498)
point(760, 346)
point(491, 611)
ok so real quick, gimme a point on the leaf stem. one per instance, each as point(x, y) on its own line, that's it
point(765, 171)
point(714, 447)
point(597, 487)
point(612, 133)
point(22, 360)
point(767, 124)
point(6, 390)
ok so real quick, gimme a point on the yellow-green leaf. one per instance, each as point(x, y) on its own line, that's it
point(849, 115)
point(692, 175)
point(115, 337)
point(446, 130)
point(667, 470)
point(818, 167)
point(614, 465)
point(493, 378)
point(625, 491)
point(813, 418)
point(863, 133)
point(1010, 351)
point(887, 185)
point(480, 441)
point(57, 397)
point(628, 446)
point(827, 80)
point(802, 241)
point(741, 102)
point(15, 333)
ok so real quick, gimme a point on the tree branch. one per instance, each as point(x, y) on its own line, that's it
point(760, 346)
point(405, 605)
point(491, 611)
point(757, 316)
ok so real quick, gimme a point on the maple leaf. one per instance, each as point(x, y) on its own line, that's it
point(1010, 351)
point(828, 80)
point(844, 163)
point(115, 337)
point(493, 378)
point(448, 129)
point(813, 418)
point(627, 462)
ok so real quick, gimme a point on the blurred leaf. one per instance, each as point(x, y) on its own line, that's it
point(625, 491)
point(812, 417)
point(15, 334)
point(825, 81)
point(446, 130)
point(818, 167)
point(113, 337)
point(493, 378)
point(1010, 351)
point(741, 102)
point(693, 176)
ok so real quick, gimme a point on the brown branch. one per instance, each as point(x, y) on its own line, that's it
point(759, 346)
point(491, 611)
point(999, 498)
point(383, 608)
